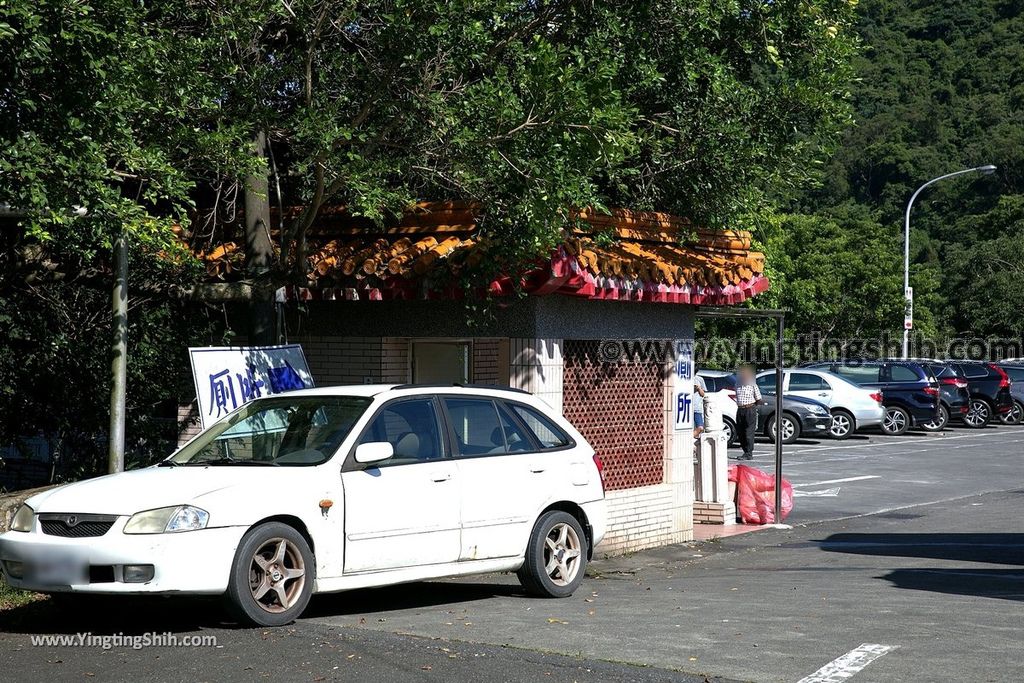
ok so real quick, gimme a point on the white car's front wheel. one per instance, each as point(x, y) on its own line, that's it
point(556, 557)
point(272, 575)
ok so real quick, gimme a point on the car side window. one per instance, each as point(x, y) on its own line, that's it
point(547, 433)
point(974, 371)
point(901, 373)
point(1016, 374)
point(802, 381)
point(766, 383)
point(411, 427)
point(480, 429)
point(861, 374)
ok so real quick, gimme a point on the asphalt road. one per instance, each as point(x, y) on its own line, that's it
point(921, 563)
point(867, 474)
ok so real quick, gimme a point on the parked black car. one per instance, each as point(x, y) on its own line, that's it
point(954, 398)
point(910, 393)
point(1015, 371)
point(800, 417)
point(989, 386)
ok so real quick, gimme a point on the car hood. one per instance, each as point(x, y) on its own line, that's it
point(155, 487)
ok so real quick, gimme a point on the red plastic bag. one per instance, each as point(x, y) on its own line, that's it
point(755, 495)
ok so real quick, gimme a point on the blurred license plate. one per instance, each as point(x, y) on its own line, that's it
point(57, 568)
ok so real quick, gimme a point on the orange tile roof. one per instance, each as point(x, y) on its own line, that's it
point(622, 255)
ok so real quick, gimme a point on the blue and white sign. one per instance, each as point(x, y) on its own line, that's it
point(682, 383)
point(227, 377)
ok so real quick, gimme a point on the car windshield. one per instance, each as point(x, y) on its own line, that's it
point(276, 431)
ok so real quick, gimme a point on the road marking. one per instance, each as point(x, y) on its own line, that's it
point(839, 481)
point(825, 493)
point(846, 667)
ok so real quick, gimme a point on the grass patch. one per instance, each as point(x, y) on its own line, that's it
point(11, 598)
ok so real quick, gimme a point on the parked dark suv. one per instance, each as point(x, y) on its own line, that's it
point(989, 386)
point(910, 393)
point(954, 398)
point(1015, 371)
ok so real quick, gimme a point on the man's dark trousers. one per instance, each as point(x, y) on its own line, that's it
point(746, 423)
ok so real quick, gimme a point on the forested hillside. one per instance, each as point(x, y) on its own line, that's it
point(940, 87)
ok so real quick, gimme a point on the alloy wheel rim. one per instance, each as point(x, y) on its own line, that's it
point(562, 554)
point(277, 575)
point(1015, 414)
point(978, 414)
point(840, 425)
point(894, 421)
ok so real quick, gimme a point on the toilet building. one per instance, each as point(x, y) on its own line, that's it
point(602, 330)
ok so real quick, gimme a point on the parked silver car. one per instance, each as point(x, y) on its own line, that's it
point(852, 406)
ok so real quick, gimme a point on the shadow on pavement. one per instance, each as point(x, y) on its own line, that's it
point(1002, 548)
point(105, 615)
point(998, 548)
point(407, 596)
point(1004, 584)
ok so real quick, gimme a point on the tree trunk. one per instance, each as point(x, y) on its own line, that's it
point(119, 363)
point(259, 250)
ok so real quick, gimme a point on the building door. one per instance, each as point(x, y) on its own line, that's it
point(442, 362)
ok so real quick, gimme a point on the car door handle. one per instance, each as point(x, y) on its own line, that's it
point(536, 469)
point(440, 476)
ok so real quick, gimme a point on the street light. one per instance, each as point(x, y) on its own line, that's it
point(988, 169)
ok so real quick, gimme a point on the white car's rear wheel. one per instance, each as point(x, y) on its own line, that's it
point(556, 557)
point(272, 575)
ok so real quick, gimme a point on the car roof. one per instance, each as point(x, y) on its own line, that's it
point(387, 390)
point(715, 373)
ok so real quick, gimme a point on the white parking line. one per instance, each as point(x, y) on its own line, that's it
point(838, 481)
point(846, 667)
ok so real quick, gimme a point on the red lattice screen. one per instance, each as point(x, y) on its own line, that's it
point(620, 408)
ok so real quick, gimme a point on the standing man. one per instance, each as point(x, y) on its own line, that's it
point(748, 397)
point(699, 390)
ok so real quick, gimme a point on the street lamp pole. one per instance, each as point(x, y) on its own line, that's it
point(986, 170)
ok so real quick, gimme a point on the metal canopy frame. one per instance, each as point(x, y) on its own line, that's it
point(779, 316)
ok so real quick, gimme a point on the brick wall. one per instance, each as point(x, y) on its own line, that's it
point(640, 518)
point(343, 360)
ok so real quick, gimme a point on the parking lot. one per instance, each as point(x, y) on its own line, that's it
point(871, 472)
point(909, 545)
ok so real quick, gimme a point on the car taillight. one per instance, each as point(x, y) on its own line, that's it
point(600, 469)
point(954, 382)
point(931, 391)
point(1004, 379)
point(731, 394)
point(877, 396)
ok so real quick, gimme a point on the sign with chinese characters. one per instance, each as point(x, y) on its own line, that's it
point(682, 386)
point(227, 377)
point(908, 308)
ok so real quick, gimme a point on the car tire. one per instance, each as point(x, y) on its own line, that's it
point(896, 422)
point(790, 428)
point(730, 431)
point(940, 421)
point(843, 425)
point(272, 576)
point(1015, 416)
point(556, 556)
point(979, 414)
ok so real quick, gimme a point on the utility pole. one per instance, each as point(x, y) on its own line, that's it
point(908, 293)
point(259, 250)
point(119, 348)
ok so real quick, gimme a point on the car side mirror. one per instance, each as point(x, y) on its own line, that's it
point(375, 451)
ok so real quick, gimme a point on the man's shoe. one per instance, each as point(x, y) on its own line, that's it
point(746, 456)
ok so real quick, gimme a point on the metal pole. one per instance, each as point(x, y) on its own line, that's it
point(119, 364)
point(781, 330)
point(906, 236)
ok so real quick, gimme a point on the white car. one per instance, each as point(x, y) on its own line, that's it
point(327, 490)
point(852, 406)
point(722, 391)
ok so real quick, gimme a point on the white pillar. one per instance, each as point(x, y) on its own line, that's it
point(535, 365)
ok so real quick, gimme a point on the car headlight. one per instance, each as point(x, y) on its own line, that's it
point(167, 520)
point(23, 519)
point(818, 410)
